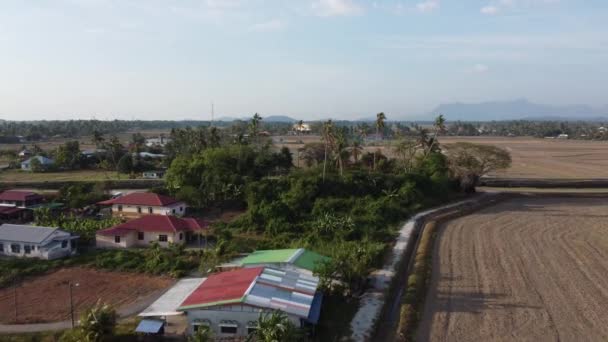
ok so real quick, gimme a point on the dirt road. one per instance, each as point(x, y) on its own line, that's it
point(524, 270)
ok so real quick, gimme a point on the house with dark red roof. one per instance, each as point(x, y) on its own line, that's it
point(19, 198)
point(230, 303)
point(143, 231)
point(138, 204)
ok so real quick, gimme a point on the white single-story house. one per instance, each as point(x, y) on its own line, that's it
point(36, 242)
point(230, 303)
point(141, 232)
point(44, 163)
point(160, 141)
point(153, 174)
point(138, 204)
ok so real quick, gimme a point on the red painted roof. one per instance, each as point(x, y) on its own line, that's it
point(141, 198)
point(224, 286)
point(17, 195)
point(157, 223)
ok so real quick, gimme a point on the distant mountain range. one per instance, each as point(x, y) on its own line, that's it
point(521, 109)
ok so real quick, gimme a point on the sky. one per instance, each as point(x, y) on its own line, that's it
point(310, 59)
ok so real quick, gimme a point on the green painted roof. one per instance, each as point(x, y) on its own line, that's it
point(308, 260)
point(268, 256)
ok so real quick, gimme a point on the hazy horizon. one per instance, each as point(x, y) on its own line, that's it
point(310, 59)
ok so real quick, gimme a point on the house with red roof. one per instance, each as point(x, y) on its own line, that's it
point(19, 198)
point(143, 231)
point(231, 302)
point(138, 204)
point(14, 204)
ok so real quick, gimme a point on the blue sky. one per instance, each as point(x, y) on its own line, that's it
point(169, 59)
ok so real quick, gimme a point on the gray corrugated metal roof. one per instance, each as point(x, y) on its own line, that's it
point(24, 233)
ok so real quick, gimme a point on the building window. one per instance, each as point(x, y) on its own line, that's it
point(173, 211)
point(119, 207)
point(27, 249)
point(162, 238)
point(139, 210)
point(181, 209)
point(15, 248)
point(1, 248)
point(140, 235)
point(228, 329)
point(64, 244)
point(150, 210)
point(117, 239)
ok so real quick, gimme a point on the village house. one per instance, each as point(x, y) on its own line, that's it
point(13, 204)
point(138, 204)
point(19, 198)
point(231, 302)
point(143, 231)
point(299, 260)
point(45, 163)
point(153, 174)
point(36, 242)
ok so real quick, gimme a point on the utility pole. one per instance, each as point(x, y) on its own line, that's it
point(15, 296)
point(70, 285)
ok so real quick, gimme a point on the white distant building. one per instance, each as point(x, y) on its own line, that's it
point(562, 136)
point(44, 163)
point(301, 129)
point(160, 141)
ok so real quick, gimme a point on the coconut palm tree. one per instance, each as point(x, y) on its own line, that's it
point(380, 119)
point(254, 126)
point(356, 150)
point(328, 140)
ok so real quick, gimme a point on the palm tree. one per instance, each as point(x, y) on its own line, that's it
point(97, 138)
point(431, 143)
point(406, 150)
point(202, 334)
point(356, 150)
point(380, 118)
point(328, 136)
point(254, 126)
point(214, 137)
point(274, 326)
point(300, 126)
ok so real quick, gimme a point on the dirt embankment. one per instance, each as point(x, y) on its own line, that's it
point(46, 298)
point(527, 269)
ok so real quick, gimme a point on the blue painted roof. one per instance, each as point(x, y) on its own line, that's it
point(150, 326)
point(315, 308)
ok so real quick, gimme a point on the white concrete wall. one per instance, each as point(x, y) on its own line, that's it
point(131, 210)
point(36, 252)
point(131, 240)
point(239, 313)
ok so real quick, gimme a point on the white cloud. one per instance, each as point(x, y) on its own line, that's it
point(330, 8)
point(222, 4)
point(489, 10)
point(480, 68)
point(271, 25)
point(427, 6)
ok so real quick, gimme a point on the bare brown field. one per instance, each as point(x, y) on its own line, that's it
point(548, 158)
point(46, 298)
point(533, 269)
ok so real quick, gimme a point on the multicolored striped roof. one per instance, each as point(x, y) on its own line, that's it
point(263, 287)
point(299, 257)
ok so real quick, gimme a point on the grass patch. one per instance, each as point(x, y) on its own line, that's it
point(77, 175)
